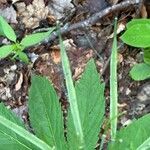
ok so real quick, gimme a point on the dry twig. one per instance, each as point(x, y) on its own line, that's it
point(94, 18)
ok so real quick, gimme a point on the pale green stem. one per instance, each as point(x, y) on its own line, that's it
point(71, 94)
point(113, 86)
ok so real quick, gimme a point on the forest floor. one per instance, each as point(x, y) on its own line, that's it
point(82, 44)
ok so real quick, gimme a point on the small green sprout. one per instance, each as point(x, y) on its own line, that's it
point(16, 48)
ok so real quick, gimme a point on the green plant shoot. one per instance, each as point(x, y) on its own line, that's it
point(113, 85)
point(16, 48)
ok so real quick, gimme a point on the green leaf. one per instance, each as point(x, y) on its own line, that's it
point(6, 141)
point(137, 35)
point(27, 136)
point(5, 51)
point(45, 113)
point(140, 72)
point(6, 30)
point(35, 38)
point(90, 97)
point(138, 21)
point(145, 145)
point(114, 85)
point(9, 140)
point(23, 56)
point(72, 98)
point(147, 56)
point(131, 137)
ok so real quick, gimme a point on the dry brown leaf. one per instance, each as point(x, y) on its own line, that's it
point(19, 83)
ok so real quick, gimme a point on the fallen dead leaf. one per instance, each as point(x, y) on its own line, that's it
point(19, 83)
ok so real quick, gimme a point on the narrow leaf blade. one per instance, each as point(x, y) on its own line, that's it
point(72, 96)
point(23, 134)
point(7, 30)
point(5, 51)
point(90, 97)
point(7, 137)
point(45, 112)
point(35, 38)
point(140, 71)
point(133, 136)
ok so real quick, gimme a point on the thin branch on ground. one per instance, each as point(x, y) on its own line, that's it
point(94, 18)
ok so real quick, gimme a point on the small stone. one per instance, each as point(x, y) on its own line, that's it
point(13, 68)
point(128, 91)
point(144, 94)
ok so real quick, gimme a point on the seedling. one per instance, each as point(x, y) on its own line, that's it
point(16, 48)
point(138, 35)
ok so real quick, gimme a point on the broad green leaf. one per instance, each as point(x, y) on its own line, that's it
point(35, 38)
point(5, 51)
point(23, 56)
point(137, 35)
point(7, 30)
point(140, 72)
point(90, 97)
point(131, 137)
point(22, 133)
point(8, 139)
point(145, 145)
point(138, 21)
point(147, 56)
point(45, 113)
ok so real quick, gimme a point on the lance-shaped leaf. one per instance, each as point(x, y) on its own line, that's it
point(90, 97)
point(6, 30)
point(9, 140)
point(133, 136)
point(45, 113)
point(5, 51)
point(35, 38)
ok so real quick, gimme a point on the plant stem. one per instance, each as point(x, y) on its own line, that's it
point(71, 94)
point(113, 85)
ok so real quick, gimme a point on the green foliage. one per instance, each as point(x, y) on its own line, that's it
point(140, 71)
point(45, 113)
point(113, 85)
point(137, 21)
point(5, 51)
point(85, 114)
point(147, 56)
point(6, 30)
point(133, 136)
point(47, 120)
point(16, 49)
point(138, 35)
point(72, 97)
point(23, 56)
point(90, 99)
point(35, 38)
point(9, 138)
